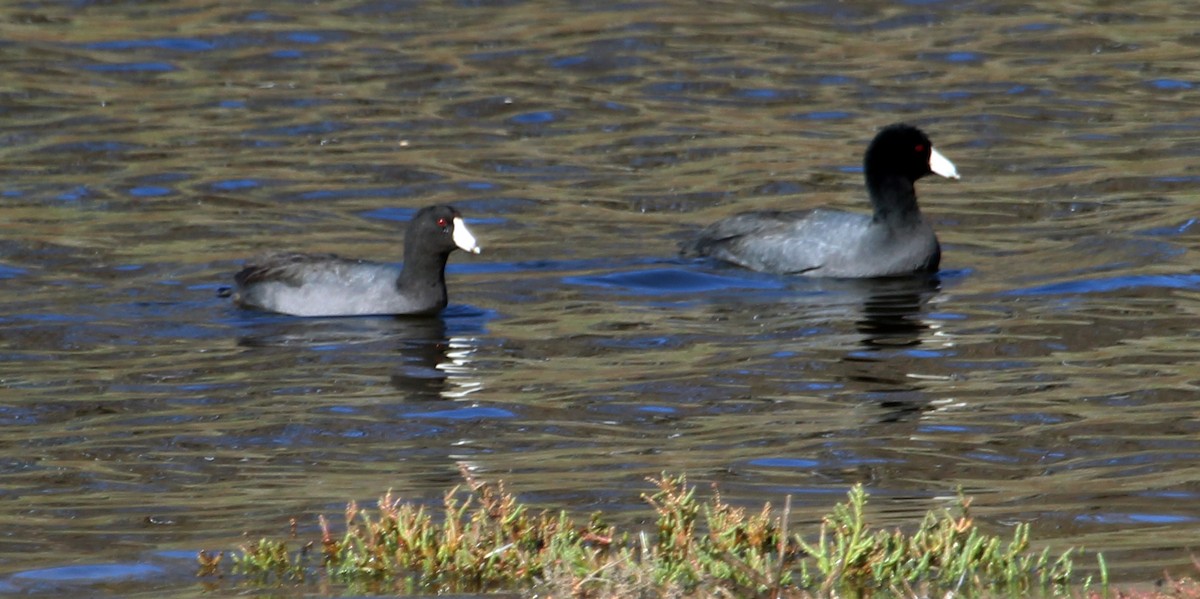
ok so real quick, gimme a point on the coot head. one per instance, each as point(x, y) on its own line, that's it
point(906, 151)
point(437, 230)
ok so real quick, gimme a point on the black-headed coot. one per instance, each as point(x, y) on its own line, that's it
point(893, 241)
point(326, 285)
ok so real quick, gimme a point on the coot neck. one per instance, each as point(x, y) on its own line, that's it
point(894, 198)
point(422, 268)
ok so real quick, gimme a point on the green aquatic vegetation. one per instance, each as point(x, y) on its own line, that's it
point(947, 552)
point(482, 539)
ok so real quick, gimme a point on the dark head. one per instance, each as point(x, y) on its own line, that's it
point(903, 150)
point(438, 230)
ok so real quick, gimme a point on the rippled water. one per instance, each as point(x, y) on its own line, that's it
point(1050, 370)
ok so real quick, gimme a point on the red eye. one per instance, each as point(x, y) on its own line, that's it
point(443, 222)
point(919, 148)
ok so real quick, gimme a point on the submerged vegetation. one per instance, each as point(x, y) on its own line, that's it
point(484, 540)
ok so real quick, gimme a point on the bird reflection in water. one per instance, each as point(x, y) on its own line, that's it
point(426, 362)
point(893, 310)
point(893, 325)
point(438, 370)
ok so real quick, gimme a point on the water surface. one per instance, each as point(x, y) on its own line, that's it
point(1049, 370)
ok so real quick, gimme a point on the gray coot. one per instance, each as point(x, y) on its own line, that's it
point(326, 285)
point(893, 241)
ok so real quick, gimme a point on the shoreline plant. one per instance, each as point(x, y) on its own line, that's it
point(483, 540)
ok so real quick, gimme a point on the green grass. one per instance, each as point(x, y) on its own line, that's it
point(482, 539)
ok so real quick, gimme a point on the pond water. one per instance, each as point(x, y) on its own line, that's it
point(1050, 370)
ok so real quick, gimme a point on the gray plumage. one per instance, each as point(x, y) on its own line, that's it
point(894, 240)
point(327, 285)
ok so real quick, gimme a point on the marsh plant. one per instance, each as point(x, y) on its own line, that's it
point(482, 539)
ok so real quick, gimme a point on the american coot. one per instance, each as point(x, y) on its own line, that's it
point(326, 285)
point(895, 240)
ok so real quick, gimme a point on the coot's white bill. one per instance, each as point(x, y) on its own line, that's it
point(465, 241)
point(941, 165)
